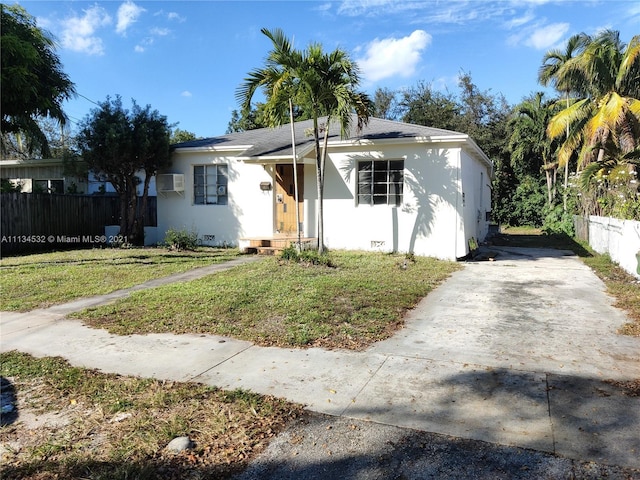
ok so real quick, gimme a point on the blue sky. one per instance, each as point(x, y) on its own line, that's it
point(186, 58)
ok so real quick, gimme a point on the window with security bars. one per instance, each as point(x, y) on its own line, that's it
point(380, 182)
point(210, 185)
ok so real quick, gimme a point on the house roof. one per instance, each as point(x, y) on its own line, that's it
point(275, 143)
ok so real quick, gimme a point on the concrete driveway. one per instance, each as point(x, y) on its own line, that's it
point(518, 351)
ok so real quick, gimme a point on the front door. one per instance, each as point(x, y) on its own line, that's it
point(285, 199)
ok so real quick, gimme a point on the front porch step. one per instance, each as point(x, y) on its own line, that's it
point(273, 245)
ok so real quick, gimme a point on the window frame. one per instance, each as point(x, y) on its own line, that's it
point(209, 181)
point(384, 179)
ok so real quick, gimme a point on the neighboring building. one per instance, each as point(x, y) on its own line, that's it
point(391, 187)
point(49, 176)
point(41, 176)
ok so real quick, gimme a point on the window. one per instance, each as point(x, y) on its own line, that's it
point(380, 182)
point(210, 184)
point(48, 186)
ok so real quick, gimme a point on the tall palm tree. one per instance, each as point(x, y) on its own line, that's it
point(529, 141)
point(552, 72)
point(607, 116)
point(321, 84)
point(279, 81)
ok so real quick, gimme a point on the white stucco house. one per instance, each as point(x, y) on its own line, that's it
point(389, 187)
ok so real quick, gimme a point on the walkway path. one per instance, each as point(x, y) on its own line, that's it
point(514, 352)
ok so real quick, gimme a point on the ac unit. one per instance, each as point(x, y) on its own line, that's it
point(170, 182)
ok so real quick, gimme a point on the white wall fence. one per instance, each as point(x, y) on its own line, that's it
point(619, 238)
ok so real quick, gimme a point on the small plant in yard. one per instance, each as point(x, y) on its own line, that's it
point(308, 257)
point(181, 239)
point(116, 427)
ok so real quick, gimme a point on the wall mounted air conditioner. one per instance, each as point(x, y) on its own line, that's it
point(170, 182)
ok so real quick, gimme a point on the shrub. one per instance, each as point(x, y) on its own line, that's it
point(309, 257)
point(558, 221)
point(181, 239)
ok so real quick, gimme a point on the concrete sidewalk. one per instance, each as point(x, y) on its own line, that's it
point(516, 352)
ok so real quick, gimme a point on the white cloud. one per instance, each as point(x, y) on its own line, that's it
point(159, 32)
point(547, 36)
point(518, 22)
point(138, 49)
point(128, 14)
point(175, 16)
point(393, 56)
point(186, 93)
point(78, 33)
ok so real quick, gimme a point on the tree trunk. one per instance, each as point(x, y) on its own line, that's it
point(295, 175)
point(141, 219)
point(123, 212)
point(320, 185)
point(132, 201)
point(549, 188)
point(566, 169)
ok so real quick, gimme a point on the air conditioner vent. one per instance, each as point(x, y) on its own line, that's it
point(170, 182)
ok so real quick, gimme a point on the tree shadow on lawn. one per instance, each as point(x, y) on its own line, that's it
point(141, 259)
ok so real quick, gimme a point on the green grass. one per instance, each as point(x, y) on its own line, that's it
point(41, 280)
point(117, 427)
point(361, 299)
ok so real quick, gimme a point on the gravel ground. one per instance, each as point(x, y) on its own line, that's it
point(324, 447)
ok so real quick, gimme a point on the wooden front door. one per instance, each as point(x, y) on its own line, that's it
point(285, 199)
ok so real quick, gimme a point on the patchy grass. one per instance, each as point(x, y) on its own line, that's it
point(78, 423)
point(41, 280)
point(620, 284)
point(361, 298)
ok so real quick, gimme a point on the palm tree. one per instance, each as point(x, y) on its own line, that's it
point(319, 83)
point(607, 116)
point(529, 141)
point(552, 72)
point(279, 80)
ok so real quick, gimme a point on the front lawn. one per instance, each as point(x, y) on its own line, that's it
point(41, 280)
point(361, 299)
point(71, 422)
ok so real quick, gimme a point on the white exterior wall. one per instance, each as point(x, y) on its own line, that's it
point(249, 211)
point(432, 221)
point(95, 185)
point(476, 188)
point(429, 221)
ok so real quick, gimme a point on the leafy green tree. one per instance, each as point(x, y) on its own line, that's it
point(385, 103)
point(319, 83)
point(179, 136)
point(529, 143)
point(606, 115)
point(422, 105)
point(117, 144)
point(33, 84)
point(553, 72)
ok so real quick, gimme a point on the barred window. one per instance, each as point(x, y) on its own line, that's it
point(210, 185)
point(380, 182)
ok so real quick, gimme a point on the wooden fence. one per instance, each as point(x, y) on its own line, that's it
point(32, 222)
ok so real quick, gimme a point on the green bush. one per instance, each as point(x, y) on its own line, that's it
point(290, 253)
point(311, 257)
point(181, 239)
point(557, 221)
